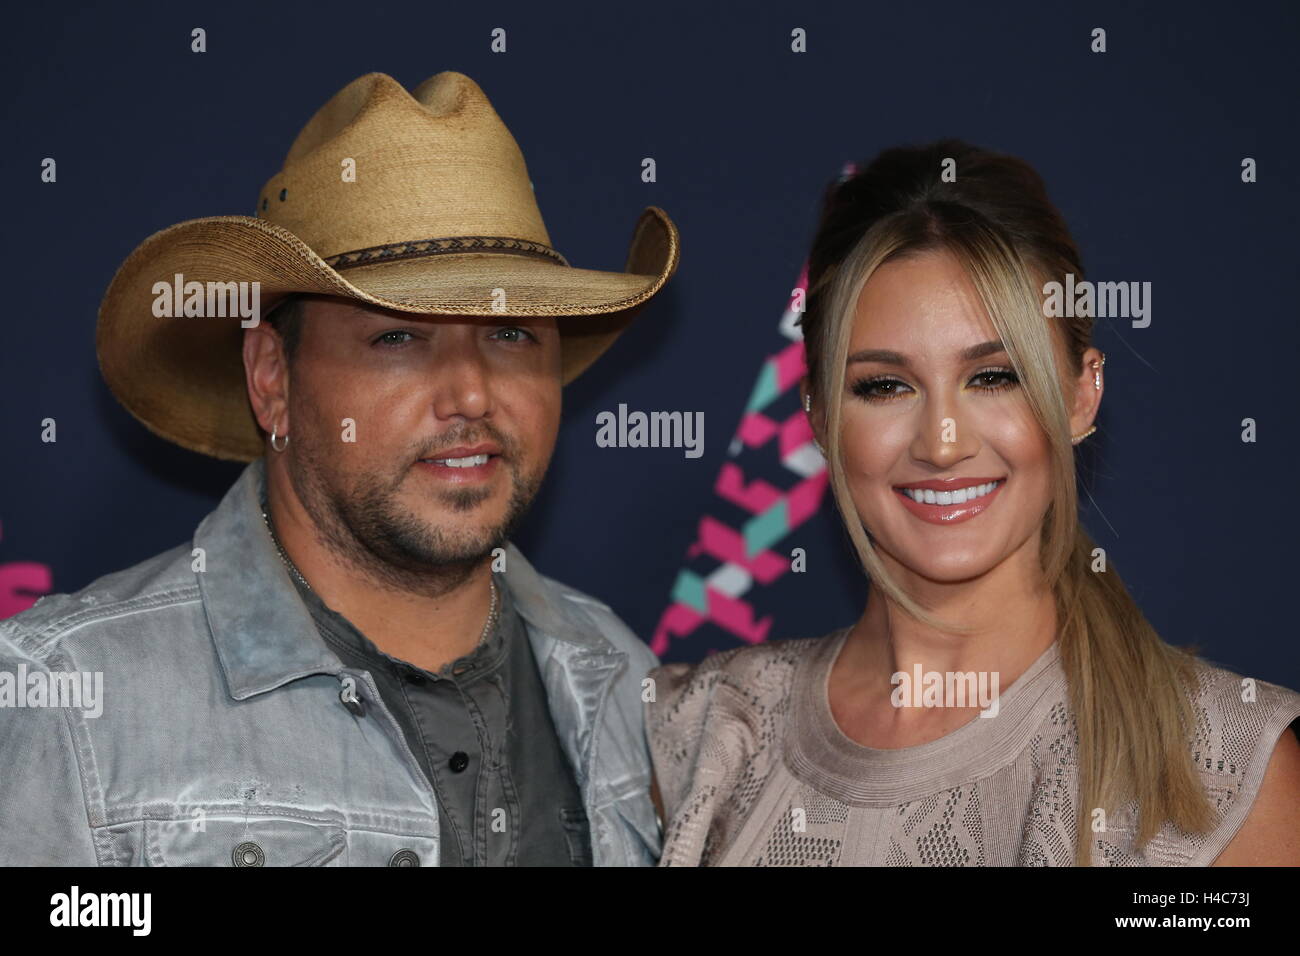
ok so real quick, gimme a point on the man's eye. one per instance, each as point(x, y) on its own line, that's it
point(388, 340)
point(515, 334)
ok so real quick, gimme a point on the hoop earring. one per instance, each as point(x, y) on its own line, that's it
point(274, 445)
point(1075, 439)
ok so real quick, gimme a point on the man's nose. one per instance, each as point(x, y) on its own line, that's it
point(461, 378)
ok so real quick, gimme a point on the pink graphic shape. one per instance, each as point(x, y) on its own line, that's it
point(805, 498)
point(677, 620)
point(737, 616)
point(756, 429)
point(22, 584)
point(795, 433)
point(731, 614)
point(719, 541)
point(755, 497)
point(790, 365)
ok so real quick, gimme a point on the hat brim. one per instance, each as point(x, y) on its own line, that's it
point(183, 378)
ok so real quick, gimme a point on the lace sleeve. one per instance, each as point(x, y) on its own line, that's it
point(675, 725)
point(714, 729)
point(1240, 721)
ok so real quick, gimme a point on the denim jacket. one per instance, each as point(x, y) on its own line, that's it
point(230, 733)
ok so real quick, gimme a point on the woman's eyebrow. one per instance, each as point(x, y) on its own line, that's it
point(885, 356)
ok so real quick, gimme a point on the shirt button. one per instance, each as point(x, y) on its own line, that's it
point(248, 854)
point(459, 761)
point(404, 857)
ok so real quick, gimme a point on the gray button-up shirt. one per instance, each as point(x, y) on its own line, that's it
point(482, 734)
point(224, 736)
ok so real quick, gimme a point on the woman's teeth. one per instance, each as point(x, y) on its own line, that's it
point(928, 496)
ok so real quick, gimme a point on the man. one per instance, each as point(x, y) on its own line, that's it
point(350, 664)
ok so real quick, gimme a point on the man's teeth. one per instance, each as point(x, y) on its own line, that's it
point(928, 496)
point(469, 462)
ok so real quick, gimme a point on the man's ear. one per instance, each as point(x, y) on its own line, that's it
point(267, 377)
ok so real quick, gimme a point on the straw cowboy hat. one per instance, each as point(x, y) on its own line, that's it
point(417, 201)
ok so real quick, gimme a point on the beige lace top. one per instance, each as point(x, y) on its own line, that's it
point(754, 771)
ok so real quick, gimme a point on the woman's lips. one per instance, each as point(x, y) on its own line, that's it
point(938, 513)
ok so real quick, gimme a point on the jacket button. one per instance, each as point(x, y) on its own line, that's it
point(351, 699)
point(248, 854)
point(459, 761)
point(404, 858)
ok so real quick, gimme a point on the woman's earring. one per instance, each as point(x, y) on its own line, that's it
point(807, 409)
point(1096, 383)
point(274, 445)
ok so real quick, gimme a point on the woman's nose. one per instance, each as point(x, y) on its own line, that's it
point(944, 437)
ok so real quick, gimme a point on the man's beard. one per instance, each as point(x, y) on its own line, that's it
point(365, 528)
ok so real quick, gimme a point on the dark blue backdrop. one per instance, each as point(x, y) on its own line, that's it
point(1141, 148)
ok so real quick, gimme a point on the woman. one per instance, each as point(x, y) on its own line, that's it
point(947, 403)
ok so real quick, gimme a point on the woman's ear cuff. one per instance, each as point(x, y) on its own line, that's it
point(1097, 366)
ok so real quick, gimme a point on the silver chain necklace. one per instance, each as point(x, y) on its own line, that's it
point(293, 569)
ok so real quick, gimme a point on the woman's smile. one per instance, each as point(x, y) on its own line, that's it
point(949, 500)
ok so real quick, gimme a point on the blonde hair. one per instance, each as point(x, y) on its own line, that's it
point(1129, 690)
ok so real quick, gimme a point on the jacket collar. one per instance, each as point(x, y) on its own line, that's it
point(263, 632)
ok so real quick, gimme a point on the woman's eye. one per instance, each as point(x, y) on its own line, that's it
point(996, 379)
point(878, 389)
point(515, 334)
point(387, 338)
point(885, 389)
